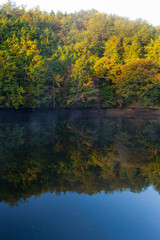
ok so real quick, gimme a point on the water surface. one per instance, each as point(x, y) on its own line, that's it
point(79, 176)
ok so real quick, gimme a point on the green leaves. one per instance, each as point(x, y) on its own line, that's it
point(137, 81)
point(153, 51)
point(55, 60)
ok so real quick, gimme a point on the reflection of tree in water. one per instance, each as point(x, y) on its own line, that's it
point(84, 155)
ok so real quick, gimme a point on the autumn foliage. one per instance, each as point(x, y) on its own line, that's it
point(84, 59)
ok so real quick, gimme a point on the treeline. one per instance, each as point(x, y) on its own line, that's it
point(82, 59)
point(45, 153)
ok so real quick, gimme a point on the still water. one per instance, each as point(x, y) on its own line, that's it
point(76, 175)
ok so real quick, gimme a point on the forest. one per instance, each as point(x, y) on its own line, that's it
point(81, 59)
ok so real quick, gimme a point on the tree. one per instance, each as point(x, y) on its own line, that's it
point(132, 49)
point(153, 51)
point(138, 81)
point(112, 49)
point(105, 71)
point(83, 87)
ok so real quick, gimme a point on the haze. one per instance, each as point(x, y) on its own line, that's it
point(145, 10)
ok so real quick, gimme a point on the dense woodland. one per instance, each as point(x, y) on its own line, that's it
point(83, 59)
point(46, 153)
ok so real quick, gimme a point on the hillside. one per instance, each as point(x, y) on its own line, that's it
point(84, 59)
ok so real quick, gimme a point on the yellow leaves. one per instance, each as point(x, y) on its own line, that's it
point(45, 17)
point(113, 48)
point(106, 68)
point(137, 80)
point(158, 77)
point(58, 79)
point(80, 46)
point(29, 47)
point(32, 48)
point(90, 83)
point(69, 101)
point(101, 67)
point(153, 50)
point(132, 49)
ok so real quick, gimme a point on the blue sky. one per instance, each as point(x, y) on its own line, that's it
point(146, 10)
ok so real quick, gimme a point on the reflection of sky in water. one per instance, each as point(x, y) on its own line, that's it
point(118, 216)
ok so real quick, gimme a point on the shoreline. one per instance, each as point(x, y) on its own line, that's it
point(134, 112)
point(96, 112)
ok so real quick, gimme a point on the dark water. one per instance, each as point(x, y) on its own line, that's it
point(74, 176)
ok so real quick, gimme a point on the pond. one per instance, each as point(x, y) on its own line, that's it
point(75, 175)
